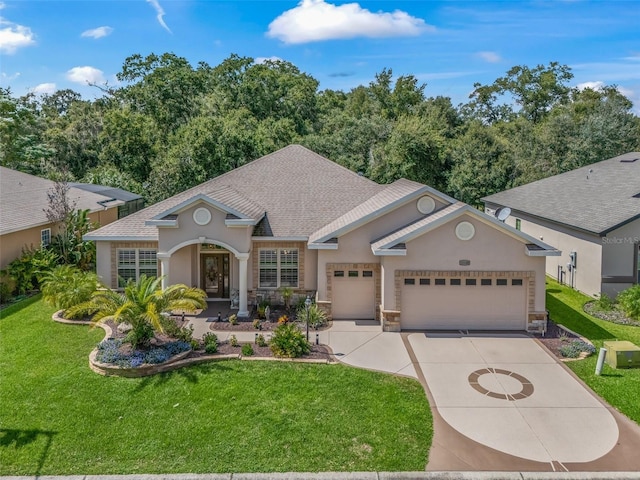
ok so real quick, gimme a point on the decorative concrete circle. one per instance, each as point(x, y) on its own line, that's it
point(465, 231)
point(202, 216)
point(426, 205)
point(525, 391)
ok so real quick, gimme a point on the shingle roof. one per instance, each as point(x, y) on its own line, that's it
point(111, 192)
point(397, 191)
point(298, 189)
point(24, 197)
point(596, 198)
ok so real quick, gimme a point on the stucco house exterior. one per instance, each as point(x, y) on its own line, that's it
point(591, 214)
point(23, 201)
point(401, 253)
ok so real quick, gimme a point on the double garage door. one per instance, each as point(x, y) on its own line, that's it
point(453, 303)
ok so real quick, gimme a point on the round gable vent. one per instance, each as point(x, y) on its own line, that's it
point(465, 231)
point(201, 216)
point(426, 205)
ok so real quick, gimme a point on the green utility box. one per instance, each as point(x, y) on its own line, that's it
point(622, 354)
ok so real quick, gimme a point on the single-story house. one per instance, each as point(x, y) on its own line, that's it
point(402, 253)
point(23, 201)
point(591, 214)
point(131, 202)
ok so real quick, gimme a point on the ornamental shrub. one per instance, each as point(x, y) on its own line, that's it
point(233, 341)
point(573, 349)
point(289, 342)
point(629, 301)
point(157, 355)
point(260, 341)
point(247, 350)
point(317, 317)
point(210, 341)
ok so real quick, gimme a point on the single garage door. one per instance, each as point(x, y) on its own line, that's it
point(452, 303)
point(353, 295)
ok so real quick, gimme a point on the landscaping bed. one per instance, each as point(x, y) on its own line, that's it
point(614, 315)
point(564, 343)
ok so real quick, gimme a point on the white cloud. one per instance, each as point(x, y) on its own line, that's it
point(85, 75)
point(592, 85)
point(14, 36)
point(44, 89)
point(97, 32)
point(7, 77)
point(317, 20)
point(160, 14)
point(260, 60)
point(491, 57)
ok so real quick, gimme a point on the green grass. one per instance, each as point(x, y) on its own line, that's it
point(58, 417)
point(619, 387)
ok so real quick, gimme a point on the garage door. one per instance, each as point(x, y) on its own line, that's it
point(452, 303)
point(353, 295)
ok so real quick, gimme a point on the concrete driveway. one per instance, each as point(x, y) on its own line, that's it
point(507, 393)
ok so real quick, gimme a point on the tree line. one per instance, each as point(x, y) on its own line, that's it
point(169, 126)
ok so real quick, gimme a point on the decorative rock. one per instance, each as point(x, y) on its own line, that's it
point(124, 327)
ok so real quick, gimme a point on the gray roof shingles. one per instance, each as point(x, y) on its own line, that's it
point(24, 198)
point(596, 198)
point(299, 190)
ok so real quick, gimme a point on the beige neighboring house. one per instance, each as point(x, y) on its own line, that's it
point(402, 253)
point(23, 222)
point(592, 214)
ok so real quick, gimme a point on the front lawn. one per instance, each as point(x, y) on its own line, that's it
point(58, 417)
point(619, 387)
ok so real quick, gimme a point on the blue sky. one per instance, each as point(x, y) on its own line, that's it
point(449, 45)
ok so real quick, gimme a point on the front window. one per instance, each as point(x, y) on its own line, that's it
point(134, 262)
point(45, 237)
point(278, 267)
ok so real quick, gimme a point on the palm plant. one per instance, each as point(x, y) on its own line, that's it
point(66, 286)
point(141, 305)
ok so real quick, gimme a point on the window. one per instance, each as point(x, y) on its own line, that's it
point(45, 237)
point(470, 281)
point(134, 262)
point(440, 281)
point(516, 282)
point(501, 281)
point(518, 224)
point(278, 267)
point(409, 281)
point(338, 273)
point(367, 273)
point(485, 282)
point(353, 273)
point(425, 281)
point(455, 281)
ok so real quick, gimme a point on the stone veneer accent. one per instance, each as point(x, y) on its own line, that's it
point(528, 276)
point(114, 256)
point(331, 267)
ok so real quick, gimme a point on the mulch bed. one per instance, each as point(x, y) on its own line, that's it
point(555, 337)
point(247, 326)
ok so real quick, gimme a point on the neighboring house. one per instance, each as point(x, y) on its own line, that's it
point(131, 202)
point(591, 214)
point(402, 253)
point(23, 222)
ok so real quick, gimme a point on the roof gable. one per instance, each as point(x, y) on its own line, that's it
point(596, 198)
point(389, 244)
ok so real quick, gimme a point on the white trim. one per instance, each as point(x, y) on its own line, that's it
point(279, 266)
point(203, 212)
point(322, 246)
point(201, 197)
point(195, 241)
point(382, 211)
point(162, 223)
point(118, 238)
point(389, 252)
point(240, 222)
point(280, 239)
point(42, 244)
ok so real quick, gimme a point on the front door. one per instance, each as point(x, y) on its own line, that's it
point(215, 275)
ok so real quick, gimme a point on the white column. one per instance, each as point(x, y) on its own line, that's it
point(164, 268)
point(243, 310)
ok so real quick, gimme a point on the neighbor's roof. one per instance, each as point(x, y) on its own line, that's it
point(24, 198)
point(597, 198)
point(110, 192)
point(299, 190)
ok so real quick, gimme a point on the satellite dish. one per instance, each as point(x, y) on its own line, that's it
point(503, 213)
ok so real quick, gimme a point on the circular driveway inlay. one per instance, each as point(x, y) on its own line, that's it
point(525, 391)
